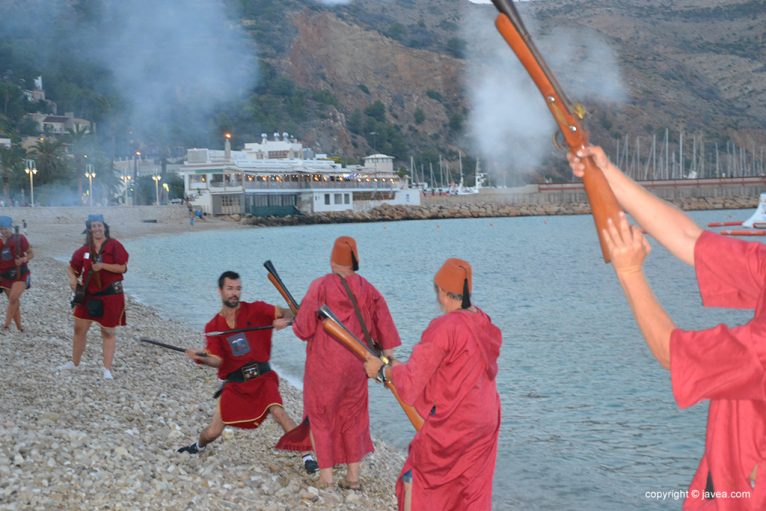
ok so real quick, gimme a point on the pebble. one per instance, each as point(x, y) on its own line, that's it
point(71, 434)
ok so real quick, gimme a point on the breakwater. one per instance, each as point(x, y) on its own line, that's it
point(442, 207)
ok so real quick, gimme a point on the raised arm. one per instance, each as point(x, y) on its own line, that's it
point(628, 249)
point(670, 226)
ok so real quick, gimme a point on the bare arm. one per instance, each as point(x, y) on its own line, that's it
point(114, 268)
point(666, 223)
point(208, 359)
point(628, 249)
point(72, 277)
point(28, 255)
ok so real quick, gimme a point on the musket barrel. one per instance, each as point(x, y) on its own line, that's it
point(338, 331)
point(602, 201)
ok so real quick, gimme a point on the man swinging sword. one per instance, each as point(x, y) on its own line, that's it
point(251, 388)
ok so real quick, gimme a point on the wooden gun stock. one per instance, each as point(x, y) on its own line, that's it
point(340, 333)
point(600, 196)
point(277, 282)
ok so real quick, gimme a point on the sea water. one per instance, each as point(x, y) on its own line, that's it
point(589, 420)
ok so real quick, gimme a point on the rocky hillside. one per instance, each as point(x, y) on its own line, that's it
point(692, 65)
point(374, 75)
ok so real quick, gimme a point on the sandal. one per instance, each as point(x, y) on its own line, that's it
point(345, 484)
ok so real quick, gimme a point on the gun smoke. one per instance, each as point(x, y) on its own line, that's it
point(509, 123)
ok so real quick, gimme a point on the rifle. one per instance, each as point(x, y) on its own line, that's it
point(337, 330)
point(238, 330)
point(95, 258)
point(170, 346)
point(600, 196)
point(274, 279)
point(18, 250)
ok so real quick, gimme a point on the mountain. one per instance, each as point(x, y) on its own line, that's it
point(394, 75)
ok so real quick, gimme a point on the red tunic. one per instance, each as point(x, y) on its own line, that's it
point(112, 252)
point(450, 379)
point(334, 381)
point(726, 366)
point(15, 246)
point(246, 404)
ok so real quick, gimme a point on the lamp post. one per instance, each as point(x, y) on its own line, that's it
point(31, 170)
point(126, 181)
point(90, 175)
point(137, 157)
point(156, 178)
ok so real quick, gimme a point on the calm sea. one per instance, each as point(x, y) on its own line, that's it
point(589, 421)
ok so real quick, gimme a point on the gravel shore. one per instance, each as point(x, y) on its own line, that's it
point(76, 441)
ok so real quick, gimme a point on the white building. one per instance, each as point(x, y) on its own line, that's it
point(280, 177)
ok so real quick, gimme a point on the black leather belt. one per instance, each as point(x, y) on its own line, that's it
point(115, 288)
point(243, 374)
point(248, 372)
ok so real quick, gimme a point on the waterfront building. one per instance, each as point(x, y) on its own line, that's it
point(279, 176)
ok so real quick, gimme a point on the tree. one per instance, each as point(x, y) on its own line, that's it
point(12, 161)
point(78, 140)
point(51, 160)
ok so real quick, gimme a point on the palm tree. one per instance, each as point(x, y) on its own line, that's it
point(11, 167)
point(51, 160)
point(78, 141)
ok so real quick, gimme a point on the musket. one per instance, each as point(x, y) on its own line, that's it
point(94, 258)
point(238, 330)
point(274, 279)
point(338, 331)
point(170, 346)
point(568, 118)
point(18, 250)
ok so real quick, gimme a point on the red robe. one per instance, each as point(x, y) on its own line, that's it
point(112, 252)
point(726, 366)
point(450, 379)
point(245, 404)
point(334, 381)
point(15, 246)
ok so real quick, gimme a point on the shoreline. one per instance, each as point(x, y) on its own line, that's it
point(79, 441)
point(447, 207)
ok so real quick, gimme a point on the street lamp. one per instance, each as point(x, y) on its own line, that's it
point(90, 175)
point(31, 170)
point(156, 178)
point(126, 180)
point(136, 158)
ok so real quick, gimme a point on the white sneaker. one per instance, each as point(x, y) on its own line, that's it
point(66, 367)
point(108, 374)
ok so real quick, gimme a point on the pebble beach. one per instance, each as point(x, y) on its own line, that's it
point(75, 441)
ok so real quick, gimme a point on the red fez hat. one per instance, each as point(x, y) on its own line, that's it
point(345, 253)
point(454, 276)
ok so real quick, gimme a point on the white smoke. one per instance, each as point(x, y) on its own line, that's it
point(187, 53)
point(509, 122)
point(158, 53)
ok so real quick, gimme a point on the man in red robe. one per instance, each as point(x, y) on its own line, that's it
point(724, 365)
point(334, 382)
point(450, 380)
point(251, 388)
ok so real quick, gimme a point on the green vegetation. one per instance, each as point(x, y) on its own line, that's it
point(435, 95)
